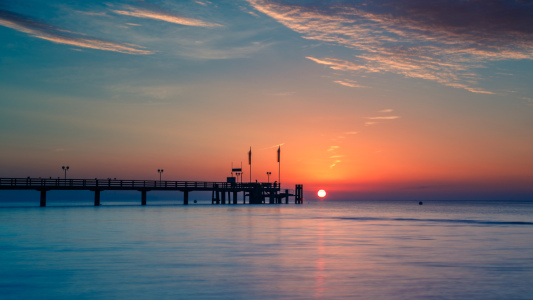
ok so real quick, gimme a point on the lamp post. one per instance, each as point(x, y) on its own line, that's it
point(159, 171)
point(268, 176)
point(65, 169)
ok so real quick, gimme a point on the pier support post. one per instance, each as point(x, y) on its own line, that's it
point(43, 198)
point(185, 197)
point(96, 197)
point(234, 197)
point(223, 194)
point(243, 197)
point(143, 197)
point(299, 195)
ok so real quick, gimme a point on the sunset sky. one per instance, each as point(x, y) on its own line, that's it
point(383, 99)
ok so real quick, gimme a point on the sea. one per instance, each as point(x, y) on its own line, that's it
point(318, 250)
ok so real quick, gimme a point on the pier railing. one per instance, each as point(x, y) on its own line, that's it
point(36, 183)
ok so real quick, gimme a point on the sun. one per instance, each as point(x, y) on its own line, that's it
point(321, 193)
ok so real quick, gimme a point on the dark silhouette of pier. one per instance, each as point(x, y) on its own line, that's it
point(256, 192)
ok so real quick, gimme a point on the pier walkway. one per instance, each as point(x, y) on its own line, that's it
point(256, 192)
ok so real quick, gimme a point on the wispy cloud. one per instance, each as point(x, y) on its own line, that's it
point(51, 33)
point(272, 147)
point(335, 157)
point(202, 3)
point(335, 163)
point(374, 119)
point(162, 16)
point(441, 41)
point(528, 100)
point(92, 13)
point(384, 118)
point(349, 83)
point(246, 10)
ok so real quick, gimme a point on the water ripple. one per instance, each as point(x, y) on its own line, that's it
point(457, 221)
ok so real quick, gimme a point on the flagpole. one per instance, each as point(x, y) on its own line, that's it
point(250, 163)
point(279, 166)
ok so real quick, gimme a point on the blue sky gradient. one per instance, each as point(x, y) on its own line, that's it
point(366, 97)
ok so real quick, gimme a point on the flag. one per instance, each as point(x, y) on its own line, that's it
point(279, 148)
point(250, 156)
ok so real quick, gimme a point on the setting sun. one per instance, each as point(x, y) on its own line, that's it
point(321, 193)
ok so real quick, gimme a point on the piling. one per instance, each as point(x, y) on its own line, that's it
point(43, 198)
point(96, 197)
point(143, 197)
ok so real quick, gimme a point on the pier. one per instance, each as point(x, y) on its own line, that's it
point(255, 192)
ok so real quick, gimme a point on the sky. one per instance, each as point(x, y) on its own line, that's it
point(411, 99)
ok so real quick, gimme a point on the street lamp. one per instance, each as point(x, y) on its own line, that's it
point(65, 169)
point(268, 176)
point(159, 171)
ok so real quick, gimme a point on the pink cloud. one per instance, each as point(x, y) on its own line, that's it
point(50, 33)
point(385, 38)
point(166, 17)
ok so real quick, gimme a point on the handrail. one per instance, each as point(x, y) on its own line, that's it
point(123, 184)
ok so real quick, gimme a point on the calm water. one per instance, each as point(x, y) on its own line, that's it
point(319, 250)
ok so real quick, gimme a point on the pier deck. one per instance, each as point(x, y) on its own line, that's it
point(257, 192)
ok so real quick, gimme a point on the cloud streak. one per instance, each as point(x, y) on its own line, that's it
point(163, 16)
point(349, 83)
point(441, 41)
point(337, 161)
point(51, 33)
point(384, 118)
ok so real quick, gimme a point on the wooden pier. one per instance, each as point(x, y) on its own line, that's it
point(256, 192)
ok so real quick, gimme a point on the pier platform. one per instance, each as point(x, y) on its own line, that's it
point(255, 192)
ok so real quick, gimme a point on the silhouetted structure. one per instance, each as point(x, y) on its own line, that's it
point(256, 192)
